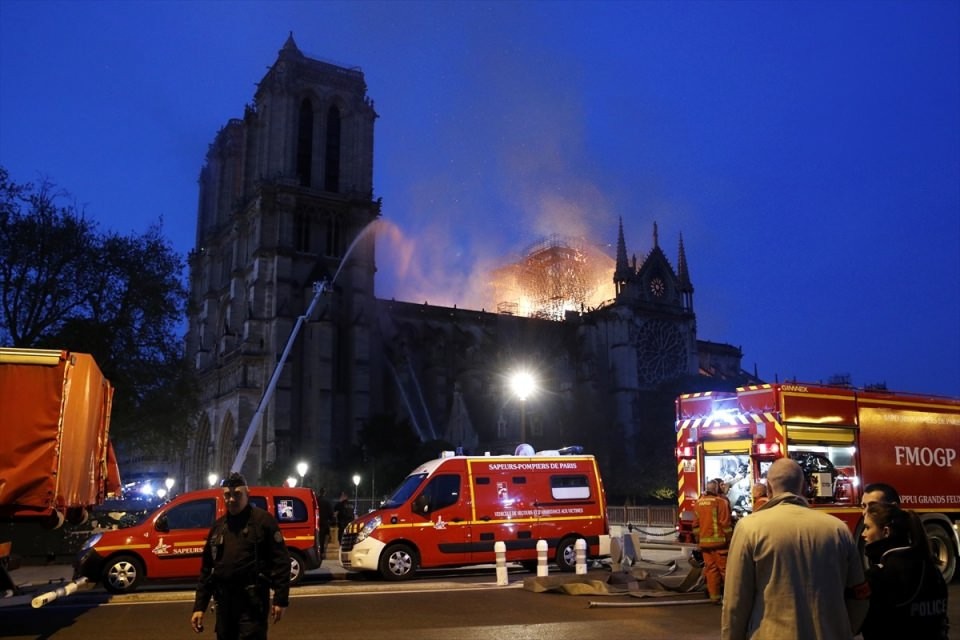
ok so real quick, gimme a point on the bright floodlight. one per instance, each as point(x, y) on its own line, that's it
point(161, 493)
point(212, 479)
point(356, 479)
point(302, 469)
point(522, 384)
point(291, 481)
point(169, 482)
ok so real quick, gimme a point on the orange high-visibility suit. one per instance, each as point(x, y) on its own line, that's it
point(713, 527)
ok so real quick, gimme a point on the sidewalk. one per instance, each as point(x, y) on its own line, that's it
point(29, 577)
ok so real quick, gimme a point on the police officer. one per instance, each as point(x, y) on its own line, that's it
point(244, 557)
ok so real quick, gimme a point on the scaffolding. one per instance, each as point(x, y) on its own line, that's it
point(556, 274)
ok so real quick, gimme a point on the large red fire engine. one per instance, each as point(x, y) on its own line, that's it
point(843, 438)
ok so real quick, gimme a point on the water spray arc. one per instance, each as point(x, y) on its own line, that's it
point(319, 288)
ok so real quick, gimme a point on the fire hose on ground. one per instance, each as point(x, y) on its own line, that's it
point(59, 592)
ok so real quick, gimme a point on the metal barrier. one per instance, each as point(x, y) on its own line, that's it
point(659, 516)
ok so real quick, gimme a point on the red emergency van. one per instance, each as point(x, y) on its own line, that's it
point(167, 545)
point(452, 510)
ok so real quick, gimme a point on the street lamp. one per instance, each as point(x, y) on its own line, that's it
point(302, 470)
point(212, 479)
point(523, 384)
point(356, 490)
point(291, 481)
point(169, 482)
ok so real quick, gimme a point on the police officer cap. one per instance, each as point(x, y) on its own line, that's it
point(234, 480)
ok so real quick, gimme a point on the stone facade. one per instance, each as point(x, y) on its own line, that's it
point(286, 201)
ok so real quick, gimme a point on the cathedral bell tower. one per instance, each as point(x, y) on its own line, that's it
point(286, 200)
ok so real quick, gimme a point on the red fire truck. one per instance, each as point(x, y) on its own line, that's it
point(843, 438)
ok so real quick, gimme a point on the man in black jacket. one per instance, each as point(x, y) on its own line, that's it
point(244, 557)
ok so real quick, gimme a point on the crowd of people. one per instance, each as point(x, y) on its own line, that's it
point(783, 571)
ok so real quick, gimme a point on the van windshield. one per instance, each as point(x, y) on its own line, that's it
point(402, 493)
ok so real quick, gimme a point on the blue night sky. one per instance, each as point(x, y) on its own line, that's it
point(809, 152)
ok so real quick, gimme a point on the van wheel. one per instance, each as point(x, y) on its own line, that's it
point(567, 554)
point(296, 567)
point(941, 545)
point(122, 574)
point(398, 562)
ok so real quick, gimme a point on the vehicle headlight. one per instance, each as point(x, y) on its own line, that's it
point(91, 541)
point(368, 528)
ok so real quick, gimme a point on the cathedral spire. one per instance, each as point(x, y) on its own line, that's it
point(682, 271)
point(290, 44)
point(622, 271)
point(656, 235)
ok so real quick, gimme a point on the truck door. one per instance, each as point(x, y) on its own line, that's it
point(177, 538)
point(441, 519)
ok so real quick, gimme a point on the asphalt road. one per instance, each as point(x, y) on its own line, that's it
point(471, 607)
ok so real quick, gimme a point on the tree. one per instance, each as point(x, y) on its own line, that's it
point(65, 284)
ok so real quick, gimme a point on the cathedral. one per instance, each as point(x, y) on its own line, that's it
point(286, 233)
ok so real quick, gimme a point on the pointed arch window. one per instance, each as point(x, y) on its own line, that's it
point(301, 232)
point(331, 181)
point(305, 143)
point(333, 235)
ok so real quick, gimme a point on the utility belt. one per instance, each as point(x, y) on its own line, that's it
point(251, 594)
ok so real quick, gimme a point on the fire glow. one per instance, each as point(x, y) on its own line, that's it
point(554, 276)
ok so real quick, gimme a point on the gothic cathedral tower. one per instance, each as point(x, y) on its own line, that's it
point(286, 198)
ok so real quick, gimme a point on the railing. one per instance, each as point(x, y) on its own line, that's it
point(662, 516)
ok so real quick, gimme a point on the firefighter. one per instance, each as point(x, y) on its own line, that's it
point(244, 557)
point(712, 526)
point(759, 493)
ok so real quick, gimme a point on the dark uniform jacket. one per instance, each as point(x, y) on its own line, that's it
point(246, 550)
point(908, 597)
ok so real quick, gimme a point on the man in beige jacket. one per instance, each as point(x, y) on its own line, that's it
point(792, 571)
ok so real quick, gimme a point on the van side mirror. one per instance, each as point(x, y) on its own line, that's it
point(421, 505)
point(162, 524)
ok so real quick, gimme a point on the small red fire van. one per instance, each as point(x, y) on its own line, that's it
point(167, 545)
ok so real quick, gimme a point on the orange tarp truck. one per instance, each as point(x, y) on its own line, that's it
point(56, 460)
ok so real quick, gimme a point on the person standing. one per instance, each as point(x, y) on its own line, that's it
point(712, 525)
point(759, 494)
point(874, 493)
point(878, 492)
point(344, 512)
point(908, 597)
point(327, 519)
point(793, 567)
point(243, 558)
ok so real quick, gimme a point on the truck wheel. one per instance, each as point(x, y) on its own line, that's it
point(54, 520)
point(567, 554)
point(78, 516)
point(941, 545)
point(122, 574)
point(296, 567)
point(398, 562)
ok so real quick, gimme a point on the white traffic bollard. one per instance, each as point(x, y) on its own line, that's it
point(581, 548)
point(542, 570)
point(500, 549)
